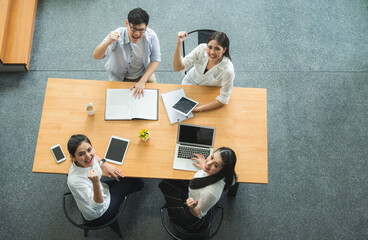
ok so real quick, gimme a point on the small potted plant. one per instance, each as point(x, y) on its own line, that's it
point(144, 134)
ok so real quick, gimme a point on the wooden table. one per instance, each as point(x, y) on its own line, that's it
point(240, 125)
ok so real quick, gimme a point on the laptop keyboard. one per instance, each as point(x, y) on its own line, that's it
point(187, 152)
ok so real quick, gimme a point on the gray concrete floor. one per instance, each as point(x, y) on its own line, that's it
point(312, 56)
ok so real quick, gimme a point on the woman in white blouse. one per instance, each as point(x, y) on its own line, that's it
point(189, 201)
point(98, 201)
point(212, 67)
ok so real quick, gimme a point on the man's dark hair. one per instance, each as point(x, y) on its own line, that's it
point(138, 16)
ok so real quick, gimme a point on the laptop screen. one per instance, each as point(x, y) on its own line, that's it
point(196, 135)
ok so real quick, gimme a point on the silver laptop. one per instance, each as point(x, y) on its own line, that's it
point(192, 139)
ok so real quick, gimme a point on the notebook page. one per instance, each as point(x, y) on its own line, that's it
point(146, 107)
point(118, 104)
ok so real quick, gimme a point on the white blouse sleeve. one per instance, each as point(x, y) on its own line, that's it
point(84, 194)
point(226, 87)
point(193, 57)
point(205, 203)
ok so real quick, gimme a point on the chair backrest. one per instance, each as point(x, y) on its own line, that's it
point(85, 225)
point(203, 35)
point(179, 233)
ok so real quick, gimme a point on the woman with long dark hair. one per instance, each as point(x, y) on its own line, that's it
point(188, 202)
point(98, 201)
point(212, 67)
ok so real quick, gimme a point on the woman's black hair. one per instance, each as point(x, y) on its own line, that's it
point(75, 141)
point(223, 40)
point(228, 171)
point(138, 16)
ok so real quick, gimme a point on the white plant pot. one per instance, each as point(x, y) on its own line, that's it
point(149, 135)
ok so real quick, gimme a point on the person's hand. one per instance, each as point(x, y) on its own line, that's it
point(112, 171)
point(93, 176)
point(181, 36)
point(200, 160)
point(138, 89)
point(113, 37)
point(191, 203)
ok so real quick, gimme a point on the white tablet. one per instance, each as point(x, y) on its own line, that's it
point(116, 150)
point(184, 105)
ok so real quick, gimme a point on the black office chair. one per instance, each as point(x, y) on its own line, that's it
point(113, 223)
point(180, 233)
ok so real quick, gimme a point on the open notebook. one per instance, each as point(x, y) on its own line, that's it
point(121, 105)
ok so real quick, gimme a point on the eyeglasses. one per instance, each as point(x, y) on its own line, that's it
point(136, 29)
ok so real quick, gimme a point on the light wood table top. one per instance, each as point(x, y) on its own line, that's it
point(240, 125)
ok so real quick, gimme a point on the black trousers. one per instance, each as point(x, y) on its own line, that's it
point(118, 191)
point(176, 194)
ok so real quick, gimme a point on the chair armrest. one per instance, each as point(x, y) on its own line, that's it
point(91, 227)
point(218, 227)
point(66, 212)
point(164, 222)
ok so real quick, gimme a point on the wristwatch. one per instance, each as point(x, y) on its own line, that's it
point(102, 161)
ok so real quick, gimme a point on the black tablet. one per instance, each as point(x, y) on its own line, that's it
point(185, 105)
point(116, 150)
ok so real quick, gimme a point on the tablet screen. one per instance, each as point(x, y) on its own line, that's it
point(185, 105)
point(116, 150)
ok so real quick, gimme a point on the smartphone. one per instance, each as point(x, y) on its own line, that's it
point(58, 153)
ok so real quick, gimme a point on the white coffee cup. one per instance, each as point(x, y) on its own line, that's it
point(90, 109)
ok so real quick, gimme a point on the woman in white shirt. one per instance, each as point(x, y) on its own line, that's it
point(189, 201)
point(97, 201)
point(212, 67)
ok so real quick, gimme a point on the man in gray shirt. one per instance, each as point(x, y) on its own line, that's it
point(134, 52)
